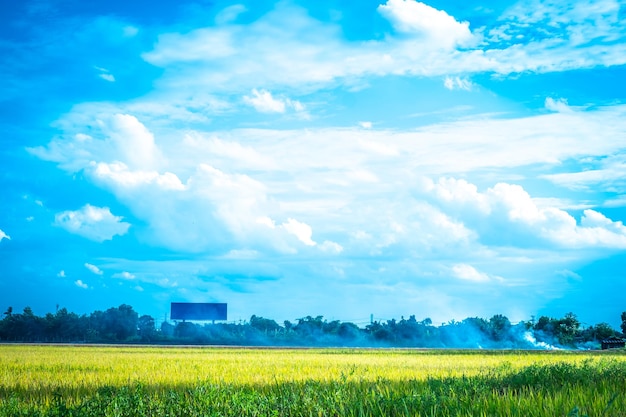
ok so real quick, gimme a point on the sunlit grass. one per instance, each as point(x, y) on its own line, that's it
point(41, 380)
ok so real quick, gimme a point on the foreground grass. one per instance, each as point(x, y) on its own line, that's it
point(115, 381)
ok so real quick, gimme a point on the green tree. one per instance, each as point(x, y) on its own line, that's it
point(499, 327)
point(603, 331)
point(167, 330)
point(146, 328)
point(349, 331)
point(186, 330)
point(567, 328)
point(117, 324)
point(263, 325)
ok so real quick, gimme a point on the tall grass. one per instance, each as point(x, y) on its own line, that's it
point(113, 381)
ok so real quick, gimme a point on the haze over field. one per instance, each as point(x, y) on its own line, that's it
point(344, 158)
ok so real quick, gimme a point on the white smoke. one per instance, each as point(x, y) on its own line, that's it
point(541, 345)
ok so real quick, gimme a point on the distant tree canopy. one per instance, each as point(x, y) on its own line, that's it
point(123, 325)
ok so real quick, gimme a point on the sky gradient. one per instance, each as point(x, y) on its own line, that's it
point(336, 158)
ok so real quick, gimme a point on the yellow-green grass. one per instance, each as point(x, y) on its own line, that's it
point(58, 380)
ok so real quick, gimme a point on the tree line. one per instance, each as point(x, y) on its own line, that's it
point(124, 325)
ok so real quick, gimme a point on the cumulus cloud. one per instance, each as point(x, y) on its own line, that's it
point(469, 273)
point(300, 230)
point(114, 138)
point(81, 284)
point(94, 269)
point(558, 105)
point(134, 141)
point(351, 188)
point(119, 174)
point(4, 235)
point(524, 219)
point(211, 208)
point(61, 274)
point(416, 18)
point(219, 183)
point(94, 223)
point(124, 275)
point(264, 102)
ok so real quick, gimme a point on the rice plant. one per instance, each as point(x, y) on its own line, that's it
point(147, 381)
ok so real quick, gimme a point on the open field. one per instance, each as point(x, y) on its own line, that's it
point(153, 381)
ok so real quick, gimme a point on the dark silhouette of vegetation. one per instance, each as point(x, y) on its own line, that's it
point(123, 325)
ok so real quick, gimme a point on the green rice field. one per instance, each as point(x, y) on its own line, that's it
point(176, 381)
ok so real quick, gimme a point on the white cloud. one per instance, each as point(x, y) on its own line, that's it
point(118, 174)
point(582, 180)
point(558, 105)
point(469, 273)
point(438, 27)
point(4, 235)
point(124, 275)
point(229, 152)
point(230, 14)
point(105, 74)
point(458, 191)
point(211, 208)
point(598, 230)
point(264, 102)
point(242, 254)
point(509, 207)
point(300, 230)
point(114, 138)
point(331, 247)
point(309, 53)
point(61, 274)
point(81, 284)
point(94, 223)
point(361, 189)
point(217, 184)
point(94, 269)
point(107, 77)
point(457, 83)
point(134, 141)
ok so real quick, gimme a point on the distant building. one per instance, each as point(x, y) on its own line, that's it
point(613, 343)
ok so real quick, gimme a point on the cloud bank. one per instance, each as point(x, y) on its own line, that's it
point(398, 155)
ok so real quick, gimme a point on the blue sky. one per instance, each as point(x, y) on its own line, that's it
point(336, 158)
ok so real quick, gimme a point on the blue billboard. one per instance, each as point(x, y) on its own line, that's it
point(198, 311)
